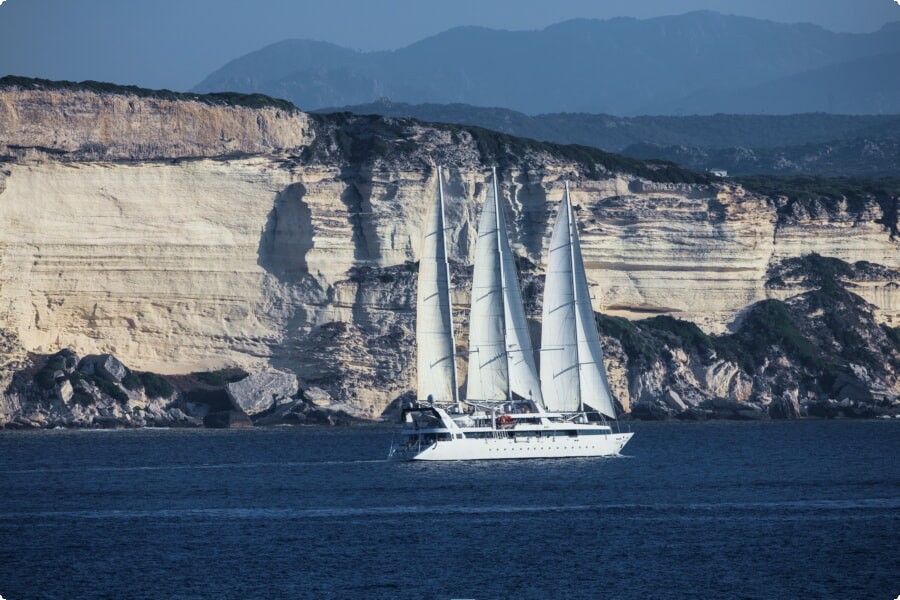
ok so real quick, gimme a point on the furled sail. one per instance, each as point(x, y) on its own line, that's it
point(572, 372)
point(488, 375)
point(523, 378)
point(434, 319)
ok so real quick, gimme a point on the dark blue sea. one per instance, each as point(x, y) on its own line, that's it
point(711, 510)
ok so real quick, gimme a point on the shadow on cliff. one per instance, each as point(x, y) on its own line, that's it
point(283, 248)
point(357, 198)
point(530, 221)
point(287, 238)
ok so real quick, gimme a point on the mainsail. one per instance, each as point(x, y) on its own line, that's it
point(488, 375)
point(523, 378)
point(572, 373)
point(501, 357)
point(434, 321)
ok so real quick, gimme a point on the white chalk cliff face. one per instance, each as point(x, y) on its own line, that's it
point(182, 237)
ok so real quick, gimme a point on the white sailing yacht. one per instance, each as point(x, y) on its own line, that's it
point(508, 411)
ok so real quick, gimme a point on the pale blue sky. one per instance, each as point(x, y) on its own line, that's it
point(176, 43)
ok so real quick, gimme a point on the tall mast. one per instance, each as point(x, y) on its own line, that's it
point(571, 215)
point(449, 296)
point(503, 288)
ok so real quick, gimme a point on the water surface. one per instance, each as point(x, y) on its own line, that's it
point(749, 510)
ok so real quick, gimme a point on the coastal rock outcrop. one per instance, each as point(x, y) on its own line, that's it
point(49, 391)
point(104, 365)
point(259, 392)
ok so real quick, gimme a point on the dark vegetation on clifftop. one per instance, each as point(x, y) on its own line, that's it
point(808, 143)
point(353, 139)
point(808, 194)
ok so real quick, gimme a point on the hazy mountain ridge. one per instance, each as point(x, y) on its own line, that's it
point(582, 65)
point(868, 85)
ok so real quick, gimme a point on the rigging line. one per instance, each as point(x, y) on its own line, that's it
point(562, 306)
point(558, 373)
point(442, 359)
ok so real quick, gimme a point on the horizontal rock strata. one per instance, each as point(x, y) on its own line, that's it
point(274, 243)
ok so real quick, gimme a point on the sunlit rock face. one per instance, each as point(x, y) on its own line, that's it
point(180, 236)
point(126, 127)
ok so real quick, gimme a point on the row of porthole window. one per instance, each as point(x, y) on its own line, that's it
point(563, 448)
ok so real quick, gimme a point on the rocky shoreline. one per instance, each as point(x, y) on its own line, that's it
point(64, 390)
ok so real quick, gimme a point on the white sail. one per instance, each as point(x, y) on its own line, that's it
point(559, 351)
point(488, 375)
point(572, 372)
point(434, 319)
point(523, 378)
point(592, 375)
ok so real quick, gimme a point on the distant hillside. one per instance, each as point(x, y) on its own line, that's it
point(810, 144)
point(699, 62)
point(617, 133)
point(857, 157)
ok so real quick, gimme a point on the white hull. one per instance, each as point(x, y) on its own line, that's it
point(609, 444)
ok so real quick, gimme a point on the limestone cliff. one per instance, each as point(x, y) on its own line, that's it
point(182, 235)
point(80, 123)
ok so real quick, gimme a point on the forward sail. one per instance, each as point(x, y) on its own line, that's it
point(572, 372)
point(434, 322)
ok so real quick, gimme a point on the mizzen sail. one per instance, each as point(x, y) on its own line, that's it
point(488, 374)
point(523, 378)
point(572, 372)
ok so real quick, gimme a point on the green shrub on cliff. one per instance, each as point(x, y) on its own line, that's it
point(893, 334)
point(156, 386)
point(131, 381)
point(45, 377)
point(110, 389)
point(82, 398)
point(768, 324)
point(683, 334)
point(641, 347)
